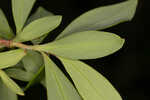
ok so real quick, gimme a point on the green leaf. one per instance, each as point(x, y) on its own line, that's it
point(38, 28)
point(84, 45)
point(19, 74)
point(90, 84)
point(32, 61)
point(5, 30)
point(102, 17)
point(10, 83)
point(36, 78)
point(58, 86)
point(11, 58)
point(40, 12)
point(21, 10)
point(6, 93)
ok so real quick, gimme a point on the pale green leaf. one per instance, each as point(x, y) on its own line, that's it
point(102, 17)
point(5, 30)
point(90, 84)
point(6, 93)
point(10, 83)
point(11, 58)
point(36, 78)
point(19, 74)
point(32, 61)
point(21, 10)
point(58, 86)
point(40, 12)
point(38, 28)
point(84, 45)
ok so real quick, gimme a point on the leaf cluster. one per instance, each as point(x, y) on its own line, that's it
point(82, 39)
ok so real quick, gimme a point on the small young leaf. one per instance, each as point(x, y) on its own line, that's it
point(102, 17)
point(21, 10)
point(5, 30)
point(11, 58)
point(90, 84)
point(6, 93)
point(32, 61)
point(10, 83)
point(84, 45)
point(58, 86)
point(19, 74)
point(38, 28)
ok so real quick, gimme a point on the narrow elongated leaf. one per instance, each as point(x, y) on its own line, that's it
point(58, 86)
point(19, 74)
point(32, 61)
point(6, 93)
point(39, 28)
point(36, 78)
point(21, 10)
point(90, 84)
point(102, 17)
point(5, 30)
point(84, 45)
point(11, 58)
point(10, 83)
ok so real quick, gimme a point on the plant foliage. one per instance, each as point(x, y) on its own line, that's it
point(80, 40)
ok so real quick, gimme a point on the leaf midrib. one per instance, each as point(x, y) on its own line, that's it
point(96, 91)
point(59, 85)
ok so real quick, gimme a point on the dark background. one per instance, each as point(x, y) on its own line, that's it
point(128, 69)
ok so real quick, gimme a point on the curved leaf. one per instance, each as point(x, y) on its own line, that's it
point(38, 28)
point(102, 17)
point(84, 45)
point(6, 93)
point(11, 58)
point(90, 84)
point(32, 61)
point(5, 30)
point(19, 74)
point(21, 10)
point(10, 83)
point(58, 86)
